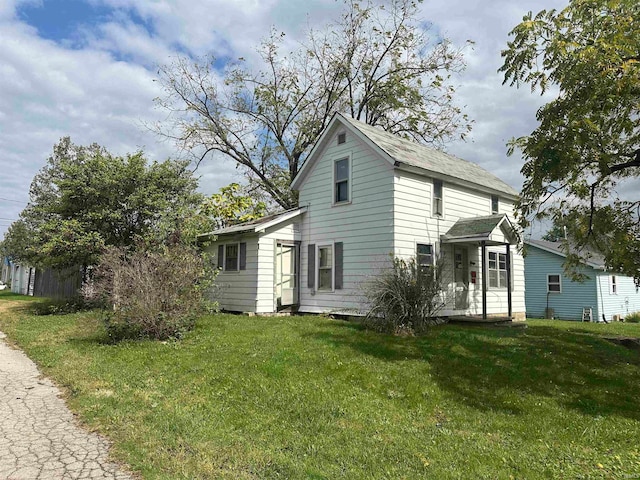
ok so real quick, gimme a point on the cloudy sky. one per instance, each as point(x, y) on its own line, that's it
point(86, 68)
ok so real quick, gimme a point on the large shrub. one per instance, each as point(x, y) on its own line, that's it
point(151, 294)
point(404, 298)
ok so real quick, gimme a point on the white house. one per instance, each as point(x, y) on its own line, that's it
point(365, 195)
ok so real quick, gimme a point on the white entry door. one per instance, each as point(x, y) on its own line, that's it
point(286, 275)
point(461, 277)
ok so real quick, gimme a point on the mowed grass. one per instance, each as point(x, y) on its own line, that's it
point(314, 398)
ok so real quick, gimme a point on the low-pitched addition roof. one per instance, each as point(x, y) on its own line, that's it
point(408, 154)
point(482, 229)
point(594, 259)
point(258, 225)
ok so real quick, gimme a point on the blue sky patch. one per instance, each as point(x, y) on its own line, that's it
point(63, 20)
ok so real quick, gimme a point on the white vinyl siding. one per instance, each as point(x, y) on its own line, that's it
point(413, 224)
point(236, 289)
point(364, 225)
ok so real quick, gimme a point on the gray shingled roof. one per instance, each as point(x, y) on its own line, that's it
point(427, 158)
point(595, 259)
point(474, 227)
point(253, 225)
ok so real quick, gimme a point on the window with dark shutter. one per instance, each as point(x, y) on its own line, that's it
point(220, 256)
point(243, 256)
point(339, 260)
point(311, 266)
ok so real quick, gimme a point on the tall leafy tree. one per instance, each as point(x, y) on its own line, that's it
point(378, 63)
point(232, 205)
point(585, 151)
point(85, 198)
point(16, 242)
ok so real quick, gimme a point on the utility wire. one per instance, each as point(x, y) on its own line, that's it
point(14, 201)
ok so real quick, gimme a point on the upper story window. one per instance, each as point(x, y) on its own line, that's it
point(554, 284)
point(497, 270)
point(613, 283)
point(437, 198)
point(341, 181)
point(494, 204)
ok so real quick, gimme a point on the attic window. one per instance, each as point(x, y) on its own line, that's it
point(342, 138)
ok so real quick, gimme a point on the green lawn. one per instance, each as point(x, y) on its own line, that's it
point(308, 397)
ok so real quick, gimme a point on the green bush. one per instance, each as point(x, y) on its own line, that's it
point(157, 294)
point(60, 306)
point(632, 318)
point(405, 298)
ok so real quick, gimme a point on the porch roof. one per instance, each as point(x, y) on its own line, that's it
point(492, 229)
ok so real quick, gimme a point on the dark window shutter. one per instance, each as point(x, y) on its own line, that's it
point(311, 273)
point(243, 256)
point(338, 252)
point(220, 255)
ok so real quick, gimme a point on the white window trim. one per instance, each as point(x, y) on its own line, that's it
point(613, 283)
point(433, 196)
point(433, 251)
point(491, 204)
point(333, 267)
point(500, 287)
point(559, 283)
point(346, 156)
point(341, 132)
point(224, 257)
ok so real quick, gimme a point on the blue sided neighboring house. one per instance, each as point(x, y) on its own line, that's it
point(550, 294)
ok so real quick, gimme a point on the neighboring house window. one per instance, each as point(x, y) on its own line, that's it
point(554, 284)
point(424, 254)
point(614, 285)
point(325, 267)
point(494, 204)
point(342, 138)
point(497, 270)
point(341, 179)
point(437, 198)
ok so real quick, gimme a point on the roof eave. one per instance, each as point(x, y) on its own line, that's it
point(562, 254)
point(451, 179)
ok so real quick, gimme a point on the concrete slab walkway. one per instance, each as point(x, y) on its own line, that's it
point(39, 437)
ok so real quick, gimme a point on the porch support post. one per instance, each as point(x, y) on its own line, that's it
point(509, 279)
point(484, 279)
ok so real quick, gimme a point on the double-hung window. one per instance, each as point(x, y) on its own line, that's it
point(424, 256)
point(325, 267)
point(495, 203)
point(437, 198)
point(497, 270)
point(341, 181)
point(231, 255)
point(554, 284)
point(613, 283)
